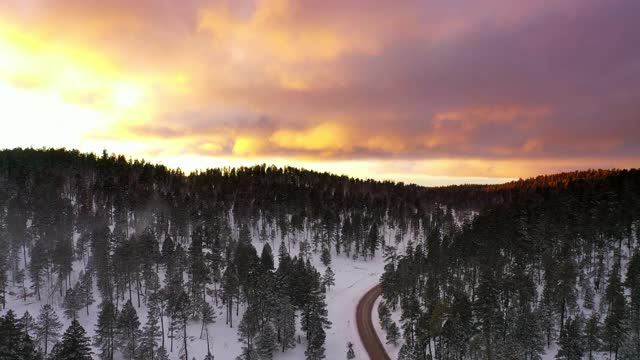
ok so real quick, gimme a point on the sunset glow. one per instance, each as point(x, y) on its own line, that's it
point(431, 92)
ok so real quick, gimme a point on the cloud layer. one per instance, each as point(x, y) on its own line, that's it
point(467, 83)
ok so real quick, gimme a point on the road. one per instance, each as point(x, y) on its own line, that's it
point(367, 332)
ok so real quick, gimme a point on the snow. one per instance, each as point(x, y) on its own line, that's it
point(382, 335)
point(352, 280)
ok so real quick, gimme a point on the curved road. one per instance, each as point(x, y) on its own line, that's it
point(367, 332)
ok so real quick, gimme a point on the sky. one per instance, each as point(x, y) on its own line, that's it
point(432, 92)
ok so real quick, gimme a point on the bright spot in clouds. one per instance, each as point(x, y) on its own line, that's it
point(126, 96)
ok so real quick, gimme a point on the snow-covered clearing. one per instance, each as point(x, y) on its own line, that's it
point(352, 279)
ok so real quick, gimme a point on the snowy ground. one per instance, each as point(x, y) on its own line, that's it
point(353, 278)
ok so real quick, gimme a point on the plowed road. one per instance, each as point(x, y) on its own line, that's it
point(367, 332)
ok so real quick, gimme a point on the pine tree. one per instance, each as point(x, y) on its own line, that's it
point(350, 352)
point(325, 257)
point(393, 333)
point(631, 344)
point(128, 331)
point(328, 279)
point(74, 345)
point(315, 346)
point(266, 343)
point(181, 311)
point(247, 331)
point(592, 334)
point(4, 267)
point(15, 342)
point(266, 258)
point(48, 327)
point(613, 323)
point(10, 336)
point(72, 302)
point(571, 344)
point(207, 315)
point(105, 330)
point(285, 320)
point(27, 322)
point(230, 289)
point(314, 314)
point(85, 292)
point(27, 349)
point(150, 335)
point(384, 315)
point(162, 354)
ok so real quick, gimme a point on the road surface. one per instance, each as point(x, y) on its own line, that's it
point(367, 332)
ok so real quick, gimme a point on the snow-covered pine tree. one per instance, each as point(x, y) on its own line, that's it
point(393, 333)
point(384, 314)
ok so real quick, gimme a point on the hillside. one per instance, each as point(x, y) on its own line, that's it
point(145, 258)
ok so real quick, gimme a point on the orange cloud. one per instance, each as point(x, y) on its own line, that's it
point(324, 138)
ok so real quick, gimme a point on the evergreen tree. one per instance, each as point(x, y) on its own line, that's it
point(128, 332)
point(266, 258)
point(47, 328)
point(384, 315)
point(105, 330)
point(592, 334)
point(181, 311)
point(74, 345)
point(150, 335)
point(27, 322)
point(162, 354)
point(328, 279)
point(85, 290)
point(15, 342)
point(207, 315)
point(230, 287)
point(285, 320)
point(613, 324)
point(571, 344)
point(266, 342)
point(72, 302)
point(325, 257)
point(631, 344)
point(247, 331)
point(315, 346)
point(393, 333)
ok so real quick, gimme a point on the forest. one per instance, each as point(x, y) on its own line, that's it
point(475, 271)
